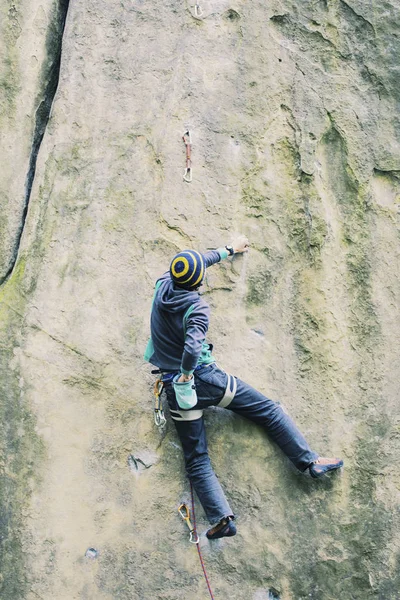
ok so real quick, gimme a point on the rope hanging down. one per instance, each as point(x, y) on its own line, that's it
point(194, 538)
point(198, 545)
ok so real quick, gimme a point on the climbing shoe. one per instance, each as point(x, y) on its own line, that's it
point(225, 528)
point(323, 465)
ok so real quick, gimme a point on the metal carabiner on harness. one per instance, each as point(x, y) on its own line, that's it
point(184, 512)
point(159, 417)
point(187, 140)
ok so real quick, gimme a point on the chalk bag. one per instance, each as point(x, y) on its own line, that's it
point(185, 392)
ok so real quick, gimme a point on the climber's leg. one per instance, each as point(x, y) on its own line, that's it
point(253, 405)
point(192, 435)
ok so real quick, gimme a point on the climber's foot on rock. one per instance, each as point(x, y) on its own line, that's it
point(323, 465)
point(225, 528)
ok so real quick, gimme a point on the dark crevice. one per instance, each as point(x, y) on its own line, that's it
point(362, 21)
point(391, 173)
point(50, 78)
point(232, 15)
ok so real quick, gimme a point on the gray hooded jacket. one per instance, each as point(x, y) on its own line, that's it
point(178, 343)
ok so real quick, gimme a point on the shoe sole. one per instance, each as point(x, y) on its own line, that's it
point(220, 535)
point(326, 472)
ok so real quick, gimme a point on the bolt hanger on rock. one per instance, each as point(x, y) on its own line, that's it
point(187, 140)
point(198, 10)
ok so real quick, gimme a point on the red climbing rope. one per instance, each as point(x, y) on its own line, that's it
point(198, 544)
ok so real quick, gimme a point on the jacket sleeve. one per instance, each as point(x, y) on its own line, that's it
point(214, 256)
point(196, 330)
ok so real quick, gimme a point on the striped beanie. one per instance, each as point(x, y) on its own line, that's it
point(187, 269)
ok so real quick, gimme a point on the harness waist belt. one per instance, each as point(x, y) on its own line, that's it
point(167, 376)
point(192, 415)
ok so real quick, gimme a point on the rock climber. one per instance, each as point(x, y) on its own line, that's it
point(177, 346)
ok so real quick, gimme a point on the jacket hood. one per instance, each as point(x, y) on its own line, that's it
point(172, 298)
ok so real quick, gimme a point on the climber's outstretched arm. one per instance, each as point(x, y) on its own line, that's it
point(240, 245)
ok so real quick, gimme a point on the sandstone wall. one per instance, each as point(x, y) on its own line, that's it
point(293, 109)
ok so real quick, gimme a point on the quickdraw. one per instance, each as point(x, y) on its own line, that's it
point(159, 417)
point(194, 538)
point(198, 546)
point(184, 512)
point(187, 140)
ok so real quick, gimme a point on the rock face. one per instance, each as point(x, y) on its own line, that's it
point(31, 49)
point(293, 109)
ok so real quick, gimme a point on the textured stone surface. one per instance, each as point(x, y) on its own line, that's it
point(29, 35)
point(294, 113)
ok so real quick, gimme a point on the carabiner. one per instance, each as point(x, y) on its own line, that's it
point(187, 137)
point(197, 10)
point(192, 539)
point(159, 418)
point(184, 512)
point(187, 176)
point(158, 388)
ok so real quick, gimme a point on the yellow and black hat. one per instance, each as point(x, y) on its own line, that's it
point(187, 269)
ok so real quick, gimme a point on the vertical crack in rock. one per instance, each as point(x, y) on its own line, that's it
point(19, 439)
point(51, 74)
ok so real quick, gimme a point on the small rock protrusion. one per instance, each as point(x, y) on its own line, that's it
point(92, 553)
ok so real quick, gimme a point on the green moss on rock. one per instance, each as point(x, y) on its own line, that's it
point(259, 287)
point(21, 450)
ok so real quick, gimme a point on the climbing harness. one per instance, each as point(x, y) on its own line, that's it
point(187, 140)
point(198, 10)
point(159, 417)
point(230, 392)
point(184, 512)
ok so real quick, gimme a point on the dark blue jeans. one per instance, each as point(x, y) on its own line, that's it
point(211, 387)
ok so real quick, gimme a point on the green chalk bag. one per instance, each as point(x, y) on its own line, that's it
point(185, 392)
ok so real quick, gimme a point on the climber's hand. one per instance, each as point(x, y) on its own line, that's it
point(241, 244)
point(184, 378)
